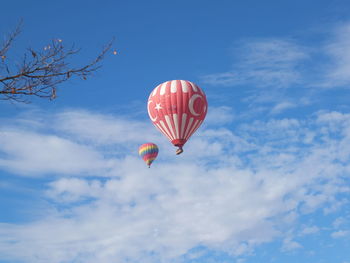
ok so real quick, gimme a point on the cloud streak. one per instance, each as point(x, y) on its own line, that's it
point(263, 63)
point(280, 74)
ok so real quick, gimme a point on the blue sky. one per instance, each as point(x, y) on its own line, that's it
point(266, 177)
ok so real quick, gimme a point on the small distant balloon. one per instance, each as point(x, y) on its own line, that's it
point(148, 152)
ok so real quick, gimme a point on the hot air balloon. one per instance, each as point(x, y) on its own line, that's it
point(177, 108)
point(148, 152)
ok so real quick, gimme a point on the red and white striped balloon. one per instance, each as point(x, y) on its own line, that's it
point(177, 108)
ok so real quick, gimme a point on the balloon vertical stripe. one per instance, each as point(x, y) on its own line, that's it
point(189, 125)
point(170, 125)
point(184, 117)
point(176, 125)
point(162, 131)
point(166, 130)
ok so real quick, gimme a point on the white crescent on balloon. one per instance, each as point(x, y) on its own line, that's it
point(191, 103)
point(149, 113)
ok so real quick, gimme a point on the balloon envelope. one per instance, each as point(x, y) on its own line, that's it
point(177, 108)
point(148, 152)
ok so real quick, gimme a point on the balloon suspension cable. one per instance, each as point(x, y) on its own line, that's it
point(179, 150)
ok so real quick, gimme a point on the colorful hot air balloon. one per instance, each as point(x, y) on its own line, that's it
point(177, 108)
point(148, 152)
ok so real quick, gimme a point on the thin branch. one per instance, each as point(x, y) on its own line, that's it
point(41, 71)
point(8, 42)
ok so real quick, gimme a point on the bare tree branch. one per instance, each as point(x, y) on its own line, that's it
point(41, 71)
point(10, 38)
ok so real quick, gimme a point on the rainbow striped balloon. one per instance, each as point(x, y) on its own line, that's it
point(148, 152)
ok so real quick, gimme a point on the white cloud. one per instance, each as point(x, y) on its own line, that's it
point(340, 234)
point(338, 49)
point(338, 222)
point(30, 153)
point(74, 189)
point(280, 107)
point(284, 73)
point(309, 230)
point(263, 63)
point(103, 128)
point(290, 245)
point(228, 192)
point(219, 115)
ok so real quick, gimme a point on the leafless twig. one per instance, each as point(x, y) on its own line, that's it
point(40, 71)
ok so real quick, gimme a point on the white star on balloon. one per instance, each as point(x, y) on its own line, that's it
point(158, 107)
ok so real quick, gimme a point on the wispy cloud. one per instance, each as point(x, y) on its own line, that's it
point(286, 73)
point(338, 50)
point(279, 107)
point(309, 230)
point(262, 63)
point(290, 245)
point(31, 153)
point(340, 234)
point(102, 129)
point(219, 115)
point(338, 222)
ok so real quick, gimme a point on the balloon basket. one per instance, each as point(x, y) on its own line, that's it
point(179, 151)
